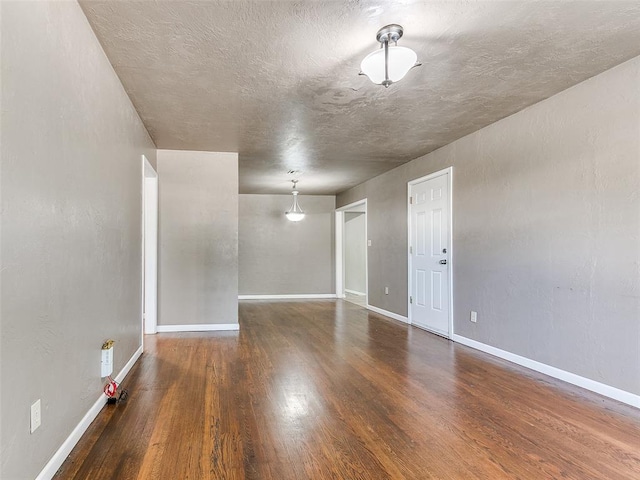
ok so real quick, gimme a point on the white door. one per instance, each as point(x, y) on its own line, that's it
point(150, 248)
point(428, 254)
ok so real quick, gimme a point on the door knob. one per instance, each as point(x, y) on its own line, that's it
point(443, 262)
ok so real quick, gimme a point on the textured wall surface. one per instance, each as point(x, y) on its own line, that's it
point(71, 226)
point(279, 257)
point(387, 229)
point(546, 234)
point(198, 237)
point(355, 251)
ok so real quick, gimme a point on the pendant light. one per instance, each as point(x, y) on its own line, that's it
point(390, 63)
point(295, 213)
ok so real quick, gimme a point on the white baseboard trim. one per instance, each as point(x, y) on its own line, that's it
point(63, 452)
point(355, 292)
point(386, 313)
point(294, 296)
point(203, 327)
point(586, 383)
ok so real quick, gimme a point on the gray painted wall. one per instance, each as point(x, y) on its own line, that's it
point(355, 242)
point(198, 238)
point(387, 231)
point(71, 226)
point(279, 257)
point(546, 233)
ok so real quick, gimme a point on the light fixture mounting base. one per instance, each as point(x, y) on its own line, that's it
point(390, 33)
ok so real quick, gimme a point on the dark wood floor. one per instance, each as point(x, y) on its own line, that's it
point(327, 390)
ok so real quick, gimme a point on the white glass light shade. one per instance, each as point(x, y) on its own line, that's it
point(294, 217)
point(401, 60)
point(295, 213)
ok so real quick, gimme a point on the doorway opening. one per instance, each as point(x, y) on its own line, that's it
point(149, 248)
point(429, 205)
point(351, 253)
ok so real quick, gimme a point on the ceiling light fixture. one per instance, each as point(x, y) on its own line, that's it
point(295, 213)
point(390, 63)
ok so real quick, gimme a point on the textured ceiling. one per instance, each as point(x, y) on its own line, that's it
point(277, 81)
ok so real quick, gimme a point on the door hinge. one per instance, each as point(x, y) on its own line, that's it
point(410, 248)
point(411, 200)
point(410, 299)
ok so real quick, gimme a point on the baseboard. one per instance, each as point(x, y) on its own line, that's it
point(395, 316)
point(586, 383)
point(63, 452)
point(354, 292)
point(293, 296)
point(204, 327)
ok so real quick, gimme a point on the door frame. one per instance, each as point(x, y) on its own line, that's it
point(149, 313)
point(340, 220)
point(449, 172)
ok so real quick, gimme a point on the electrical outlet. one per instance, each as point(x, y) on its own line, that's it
point(386, 290)
point(36, 417)
point(106, 365)
point(474, 316)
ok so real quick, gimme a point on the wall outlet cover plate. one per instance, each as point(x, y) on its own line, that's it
point(36, 415)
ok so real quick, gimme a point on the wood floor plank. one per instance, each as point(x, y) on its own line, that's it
point(329, 390)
